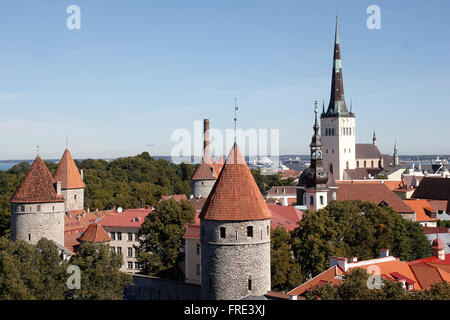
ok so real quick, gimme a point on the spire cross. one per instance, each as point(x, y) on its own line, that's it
point(67, 142)
point(315, 106)
point(37, 150)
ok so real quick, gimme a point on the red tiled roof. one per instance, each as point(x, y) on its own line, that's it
point(438, 204)
point(70, 240)
point(67, 173)
point(133, 218)
point(434, 230)
point(198, 203)
point(284, 216)
point(288, 173)
point(78, 220)
point(38, 186)
point(426, 275)
point(204, 171)
point(328, 276)
point(235, 195)
point(373, 192)
point(420, 207)
point(95, 233)
point(432, 259)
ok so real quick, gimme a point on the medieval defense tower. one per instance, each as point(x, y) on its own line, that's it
point(72, 184)
point(37, 207)
point(337, 123)
point(235, 235)
point(204, 176)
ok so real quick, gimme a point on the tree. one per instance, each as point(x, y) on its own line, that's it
point(101, 278)
point(285, 271)
point(358, 229)
point(161, 245)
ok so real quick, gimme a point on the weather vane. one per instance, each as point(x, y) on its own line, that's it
point(37, 150)
point(315, 106)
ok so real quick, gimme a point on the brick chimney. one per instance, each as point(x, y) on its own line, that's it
point(206, 140)
point(438, 249)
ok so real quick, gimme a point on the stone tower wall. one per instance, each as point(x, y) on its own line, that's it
point(74, 199)
point(202, 187)
point(31, 223)
point(228, 263)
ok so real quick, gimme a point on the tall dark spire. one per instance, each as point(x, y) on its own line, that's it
point(337, 104)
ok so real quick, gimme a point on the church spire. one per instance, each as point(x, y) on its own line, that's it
point(374, 139)
point(337, 104)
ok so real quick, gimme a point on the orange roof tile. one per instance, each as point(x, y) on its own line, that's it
point(67, 173)
point(95, 233)
point(420, 207)
point(328, 276)
point(38, 186)
point(235, 195)
point(426, 275)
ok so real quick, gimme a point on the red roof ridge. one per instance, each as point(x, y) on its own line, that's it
point(235, 195)
point(38, 186)
point(67, 172)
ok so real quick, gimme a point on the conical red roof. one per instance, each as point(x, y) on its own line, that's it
point(67, 172)
point(204, 171)
point(95, 233)
point(235, 195)
point(38, 186)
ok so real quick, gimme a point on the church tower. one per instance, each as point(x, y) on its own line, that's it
point(37, 207)
point(395, 154)
point(312, 190)
point(235, 235)
point(72, 184)
point(338, 124)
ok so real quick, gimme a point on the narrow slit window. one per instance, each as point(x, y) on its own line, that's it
point(223, 232)
point(250, 231)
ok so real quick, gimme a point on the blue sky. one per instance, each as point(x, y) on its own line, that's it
point(138, 70)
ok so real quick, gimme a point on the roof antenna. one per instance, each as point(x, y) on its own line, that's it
point(235, 117)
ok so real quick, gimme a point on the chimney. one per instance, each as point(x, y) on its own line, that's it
point(88, 210)
point(340, 262)
point(353, 259)
point(147, 207)
point(438, 249)
point(81, 173)
point(206, 139)
point(293, 297)
point(58, 188)
point(384, 253)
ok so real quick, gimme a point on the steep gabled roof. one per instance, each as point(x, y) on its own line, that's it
point(67, 173)
point(235, 195)
point(95, 233)
point(38, 186)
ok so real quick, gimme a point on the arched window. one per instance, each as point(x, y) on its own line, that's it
point(331, 168)
point(347, 165)
point(365, 165)
point(357, 164)
point(311, 200)
point(332, 131)
point(334, 196)
point(372, 163)
point(321, 200)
